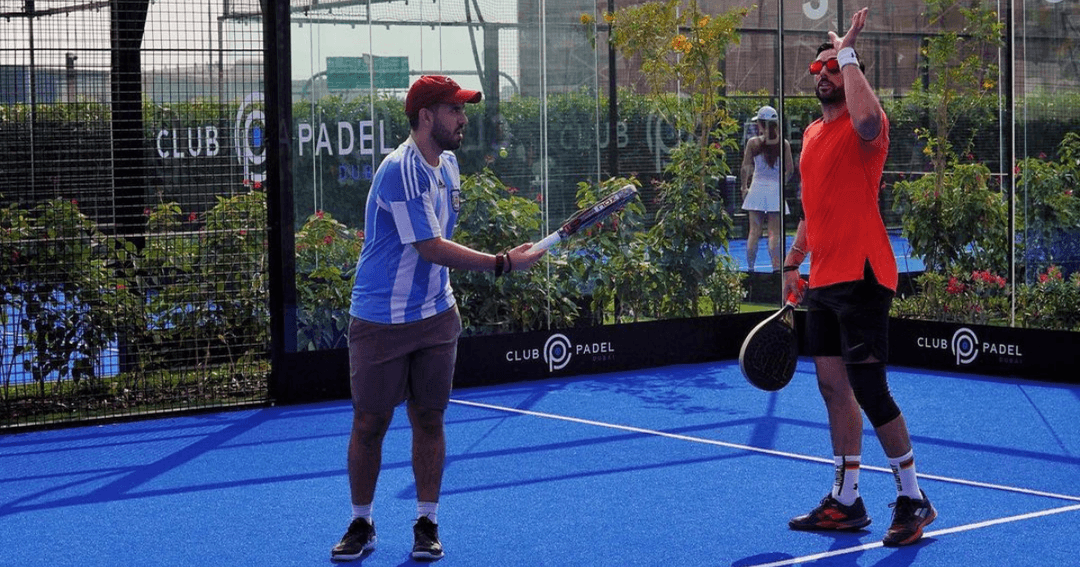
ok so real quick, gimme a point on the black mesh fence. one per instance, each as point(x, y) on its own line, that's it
point(132, 228)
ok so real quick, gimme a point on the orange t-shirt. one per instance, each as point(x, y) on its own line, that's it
point(841, 177)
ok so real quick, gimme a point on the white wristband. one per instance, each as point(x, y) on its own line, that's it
point(846, 56)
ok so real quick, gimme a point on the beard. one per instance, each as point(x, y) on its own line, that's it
point(446, 139)
point(836, 95)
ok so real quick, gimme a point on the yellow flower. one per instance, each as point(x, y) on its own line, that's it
point(586, 19)
point(609, 17)
point(703, 22)
point(680, 43)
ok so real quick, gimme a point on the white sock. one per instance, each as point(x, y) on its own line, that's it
point(429, 509)
point(907, 483)
point(362, 512)
point(846, 485)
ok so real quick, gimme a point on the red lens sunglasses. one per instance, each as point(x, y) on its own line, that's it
point(831, 64)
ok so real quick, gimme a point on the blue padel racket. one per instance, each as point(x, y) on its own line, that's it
point(588, 216)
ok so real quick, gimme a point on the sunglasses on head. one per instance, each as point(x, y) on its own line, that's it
point(831, 64)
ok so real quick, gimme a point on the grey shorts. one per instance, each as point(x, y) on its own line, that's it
point(389, 364)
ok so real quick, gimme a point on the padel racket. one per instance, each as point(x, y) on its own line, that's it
point(588, 216)
point(771, 350)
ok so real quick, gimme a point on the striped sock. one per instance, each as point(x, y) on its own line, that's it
point(907, 483)
point(846, 484)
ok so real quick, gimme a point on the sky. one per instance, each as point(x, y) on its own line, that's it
point(187, 32)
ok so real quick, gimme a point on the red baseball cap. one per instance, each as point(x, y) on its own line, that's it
point(433, 89)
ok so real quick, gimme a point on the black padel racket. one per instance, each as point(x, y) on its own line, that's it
point(771, 350)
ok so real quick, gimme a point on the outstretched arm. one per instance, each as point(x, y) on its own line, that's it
point(459, 257)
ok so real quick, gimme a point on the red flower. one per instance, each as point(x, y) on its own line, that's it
point(319, 215)
point(258, 184)
point(360, 234)
point(329, 239)
point(955, 287)
point(192, 217)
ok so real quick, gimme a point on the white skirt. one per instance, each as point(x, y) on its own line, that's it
point(761, 197)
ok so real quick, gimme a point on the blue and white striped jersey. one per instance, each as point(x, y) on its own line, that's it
point(410, 201)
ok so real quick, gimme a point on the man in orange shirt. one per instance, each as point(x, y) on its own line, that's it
point(852, 281)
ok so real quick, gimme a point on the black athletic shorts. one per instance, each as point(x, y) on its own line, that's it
point(849, 319)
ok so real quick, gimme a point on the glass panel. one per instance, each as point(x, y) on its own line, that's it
point(1047, 273)
point(545, 127)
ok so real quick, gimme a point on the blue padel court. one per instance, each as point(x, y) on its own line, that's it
point(906, 260)
point(681, 465)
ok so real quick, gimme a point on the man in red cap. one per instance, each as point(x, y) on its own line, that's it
point(404, 323)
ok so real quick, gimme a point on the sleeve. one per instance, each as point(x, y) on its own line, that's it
point(411, 202)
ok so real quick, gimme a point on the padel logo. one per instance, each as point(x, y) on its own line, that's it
point(248, 138)
point(965, 346)
point(557, 352)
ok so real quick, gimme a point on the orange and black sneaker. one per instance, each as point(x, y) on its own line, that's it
point(910, 516)
point(832, 515)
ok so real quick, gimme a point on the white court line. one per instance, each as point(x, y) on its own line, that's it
point(835, 552)
point(964, 528)
point(772, 452)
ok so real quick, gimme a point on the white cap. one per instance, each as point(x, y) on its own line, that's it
point(767, 114)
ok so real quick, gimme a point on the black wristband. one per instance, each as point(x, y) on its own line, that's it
point(499, 264)
point(790, 269)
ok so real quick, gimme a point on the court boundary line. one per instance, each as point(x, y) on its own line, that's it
point(751, 448)
point(946, 531)
point(797, 456)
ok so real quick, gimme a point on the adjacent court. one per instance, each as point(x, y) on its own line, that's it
point(679, 465)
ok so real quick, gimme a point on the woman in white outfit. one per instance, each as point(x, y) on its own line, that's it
point(761, 185)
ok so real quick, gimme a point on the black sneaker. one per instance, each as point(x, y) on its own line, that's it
point(426, 543)
point(358, 540)
point(910, 516)
point(832, 515)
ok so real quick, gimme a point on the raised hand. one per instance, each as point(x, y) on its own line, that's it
point(858, 22)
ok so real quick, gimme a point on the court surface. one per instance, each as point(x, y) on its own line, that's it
point(906, 261)
point(672, 466)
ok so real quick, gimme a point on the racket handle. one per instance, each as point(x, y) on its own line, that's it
point(791, 296)
point(548, 241)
